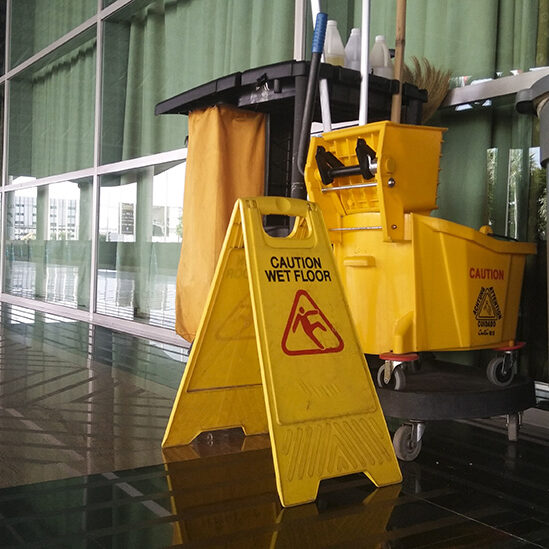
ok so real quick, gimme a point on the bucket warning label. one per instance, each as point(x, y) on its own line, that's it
point(487, 311)
point(308, 331)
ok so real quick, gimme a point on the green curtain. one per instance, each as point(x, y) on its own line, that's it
point(175, 45)
point(37, 23)
point(63, 99)
point(542, 46)
point(52, 115)
point(476, 38)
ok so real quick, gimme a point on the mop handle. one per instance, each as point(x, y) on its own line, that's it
point(312, 82)
point(319, 33)
point(323, 83)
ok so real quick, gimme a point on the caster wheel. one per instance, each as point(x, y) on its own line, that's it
point(495, 373)
point(397, 381)
point(406, 449)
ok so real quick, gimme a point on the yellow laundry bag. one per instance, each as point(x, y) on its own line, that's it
point(225, 161)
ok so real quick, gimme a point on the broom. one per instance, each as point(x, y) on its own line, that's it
point(400, 40)
point(426, 76)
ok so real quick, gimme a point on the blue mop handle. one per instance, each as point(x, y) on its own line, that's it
point(310, 94)
point(320, 32)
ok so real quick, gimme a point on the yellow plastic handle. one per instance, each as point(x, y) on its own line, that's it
point(280, 205)
point(305, 226)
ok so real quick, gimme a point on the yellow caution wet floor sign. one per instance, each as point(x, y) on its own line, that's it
point(277, 351)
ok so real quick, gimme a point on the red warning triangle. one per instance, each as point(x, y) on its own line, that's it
point(308, 331)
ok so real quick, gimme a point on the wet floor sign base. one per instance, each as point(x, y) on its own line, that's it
point(277, 352)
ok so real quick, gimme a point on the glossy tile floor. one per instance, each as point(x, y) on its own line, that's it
point(76, 407)
point(82, 412)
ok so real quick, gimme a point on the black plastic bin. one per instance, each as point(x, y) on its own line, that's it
point(279, 90)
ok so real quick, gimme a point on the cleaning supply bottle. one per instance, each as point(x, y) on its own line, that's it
point(352, 50)
point(334, 52)
point(380, 58)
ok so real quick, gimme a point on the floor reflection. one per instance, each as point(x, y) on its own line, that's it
point(223, 491)
point(78, 400)
point(220, 491)
point(82, 414)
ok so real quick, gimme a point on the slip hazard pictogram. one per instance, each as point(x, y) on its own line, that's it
point(308, 331)
point(486, 306)
point(487, 311)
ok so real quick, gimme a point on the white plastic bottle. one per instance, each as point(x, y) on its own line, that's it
point(352, 50)
point(380, 58)
point(334, 52)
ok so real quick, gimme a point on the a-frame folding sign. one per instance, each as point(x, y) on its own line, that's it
point(277, 351)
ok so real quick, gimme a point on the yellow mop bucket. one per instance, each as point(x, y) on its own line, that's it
point(414, 282)
point(446, 287)
point(396, 173)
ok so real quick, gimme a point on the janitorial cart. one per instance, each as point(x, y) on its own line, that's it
point(418, 284)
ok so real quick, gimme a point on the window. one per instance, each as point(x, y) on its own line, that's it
point(35, 24)
point(52, 113)
point(154, 50)
point(48, 250)
point(140, 225)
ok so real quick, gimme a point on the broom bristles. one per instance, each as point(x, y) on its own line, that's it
point(426, 76)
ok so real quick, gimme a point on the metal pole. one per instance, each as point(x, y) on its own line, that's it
point(364, 65)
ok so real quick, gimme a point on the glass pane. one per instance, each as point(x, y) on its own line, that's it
point(1, 125)
point(37, 23)
point(2, 36)
point(52, 113)
point(156, 50)
point(491, 163)
point(140, 229)
point(535, 284)
point(48, 243)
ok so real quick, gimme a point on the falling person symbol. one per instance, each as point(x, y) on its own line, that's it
point(308, 330)
point(308, 326)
